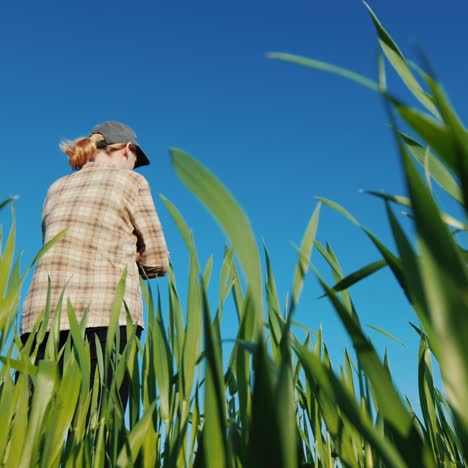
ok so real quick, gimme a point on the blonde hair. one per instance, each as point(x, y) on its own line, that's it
point(83, 149)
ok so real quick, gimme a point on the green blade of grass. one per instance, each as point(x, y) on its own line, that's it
point(47, 247)
point(427, 395)
point(339, 209)
point(398, 199)
point(214, 431)
point(413, 279)
point(340, 396)
point(389, 401)
point(176, 322)
point(445, 283)
point(359, 275)
point(285, 398)
point(327, 67)
point(66, 399)
point(207, 271)
point(435, 134)
point(192, 337)
point(264, 447)
point(115, 313)
point(136, 439)
point(330, 259)
point(439, 172)
point(231, 218)
point(7, 259)
point(44, 384)
point(8, 401)
point(81, 348)
point(399, 63)
point(381, 70)
point(392, 261)
point(6, 202)
point(275, 321)
point(405, 201)
point(226, 283)
point(458, 133)
point(163, 366)
point(388, 335)
point(305, 252)
point(194, 330)
point(18, 430)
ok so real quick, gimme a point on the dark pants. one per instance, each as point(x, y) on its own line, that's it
point(92, 334)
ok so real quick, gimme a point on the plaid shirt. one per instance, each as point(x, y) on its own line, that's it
point(109, 215)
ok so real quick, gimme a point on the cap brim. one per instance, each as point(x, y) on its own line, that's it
point(142, 159)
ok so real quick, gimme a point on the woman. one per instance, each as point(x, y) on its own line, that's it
point(111, 225)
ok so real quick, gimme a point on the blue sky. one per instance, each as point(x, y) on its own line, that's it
point(194, 75)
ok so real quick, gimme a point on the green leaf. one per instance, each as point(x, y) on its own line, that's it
point(305, 252)
point(339, 209)
point(458, 134)
point(115, 313)
point(226, 282)
point(192, 337)
point(330, 259)
point(136, 439)
point(6, 260)
point(389, 402)
point(427, 395)
point(195, 425)
point(176, 323)
point(19, 429)
point(445, 284)
point(359, 275)
point(412, 278)
point(64, 407)
point(275, 320)
point(8, 401)
point(44, 386)
point(207, 271)
point(7, 201)
point(399, 63)
point(230, 217)
point(337, 393)
point(182, 226)
point(388, 335)
point(436, 135)
point(285, 402)
point(327, 67)
point(162, 363)
point(381, 71)
point(265, 446)
point(438, 170)
point(47, 247)
point(214, 430)
point(405, 201)
point(392, 261)
point(81, 348)
point(193, 332)
point(398, 199)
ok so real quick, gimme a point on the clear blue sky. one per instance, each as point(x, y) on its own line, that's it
point(194, 75)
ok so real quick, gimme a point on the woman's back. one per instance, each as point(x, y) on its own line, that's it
point(100, 208)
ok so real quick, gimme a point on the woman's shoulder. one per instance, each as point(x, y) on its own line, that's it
point(99, 176)
point(132, 178)
point(61, 182)
point(136, 176)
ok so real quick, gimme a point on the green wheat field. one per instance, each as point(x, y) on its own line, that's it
point(275, 400)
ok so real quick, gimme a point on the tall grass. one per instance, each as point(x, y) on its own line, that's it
point(275, 400)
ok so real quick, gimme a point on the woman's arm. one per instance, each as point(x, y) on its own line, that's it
point(152, 254)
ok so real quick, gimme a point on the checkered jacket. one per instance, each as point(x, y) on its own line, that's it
point(109, 216)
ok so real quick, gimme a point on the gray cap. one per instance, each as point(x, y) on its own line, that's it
point(116, 132)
